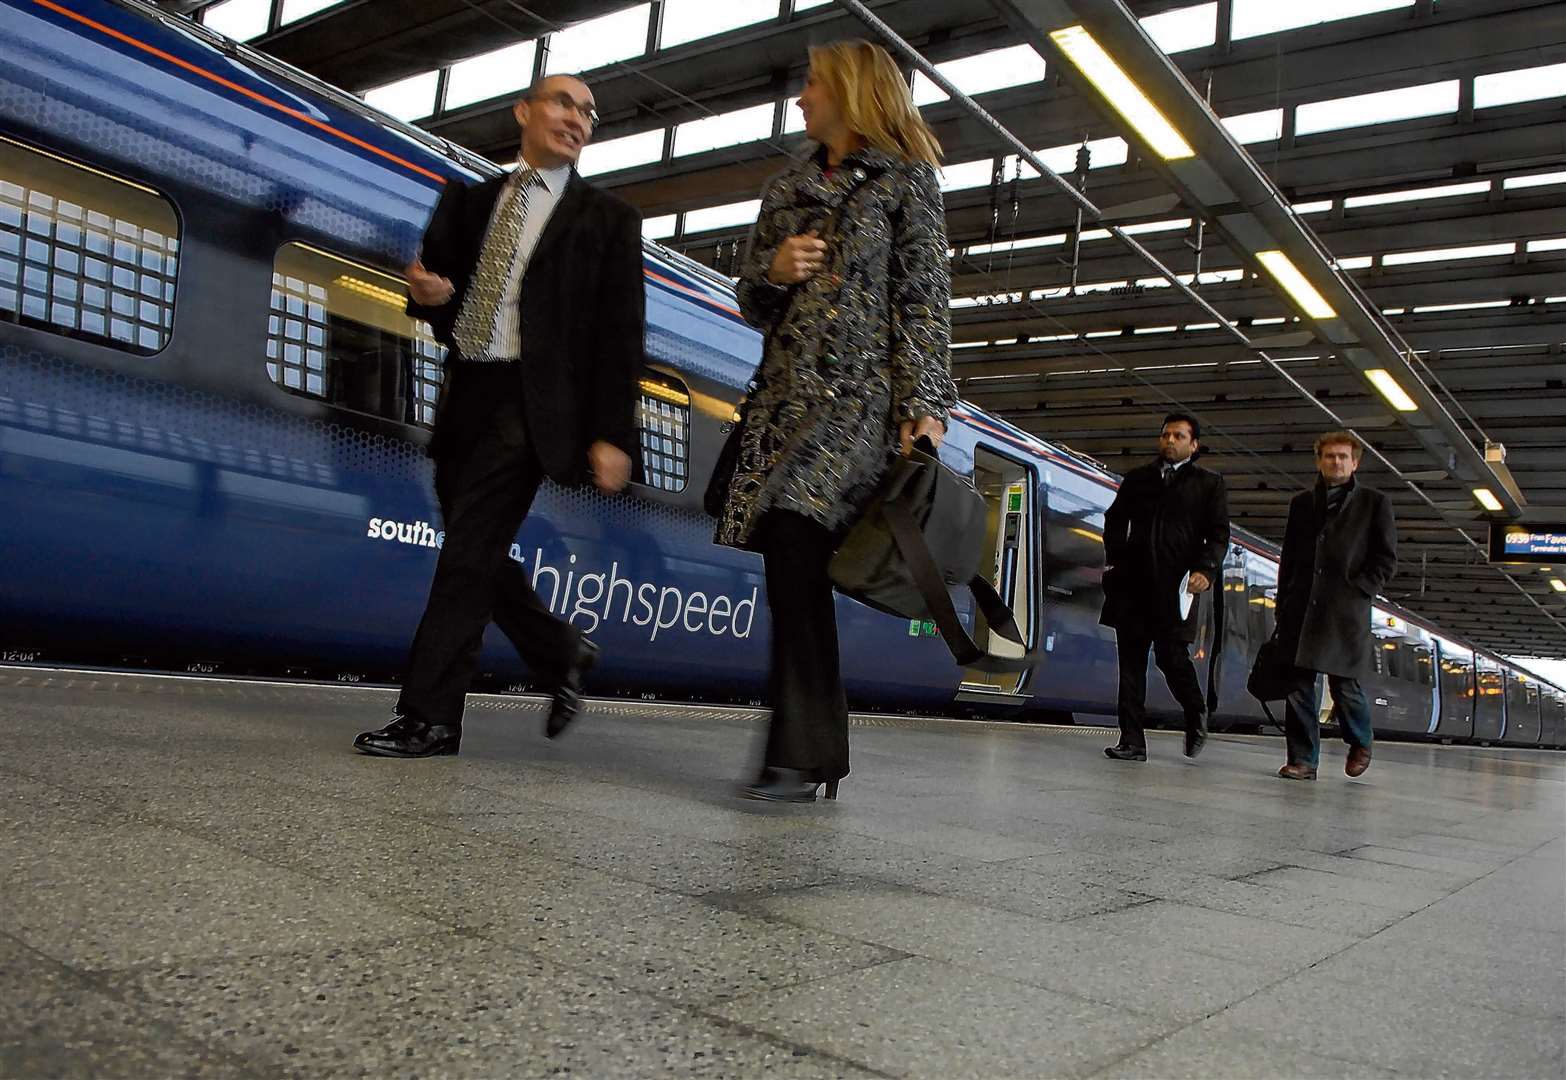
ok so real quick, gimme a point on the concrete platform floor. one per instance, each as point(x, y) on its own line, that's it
point(202, 879)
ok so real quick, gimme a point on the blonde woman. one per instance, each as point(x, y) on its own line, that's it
point(847, 275)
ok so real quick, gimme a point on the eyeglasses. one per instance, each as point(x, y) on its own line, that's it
point(565, 101)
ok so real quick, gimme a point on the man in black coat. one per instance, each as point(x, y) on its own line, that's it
point(533, 282)
point(1169, 519)
point(1339, 551)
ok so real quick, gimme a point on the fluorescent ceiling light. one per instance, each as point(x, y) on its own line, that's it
point(1355, 262)
point(1557, 584)
point(1527, 84)
point(1295, 284)
point(1122, 94)
point(1470, 306)
point(1303, 208)
point(1446, 191)
point(1555, 244)
point(1487, 499)
point(1475, 251)
point(1381, 107)
point(1388, 387)
point(1535, 180)
point(1156, 329)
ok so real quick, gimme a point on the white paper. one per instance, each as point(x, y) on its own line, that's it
point(1186, 599)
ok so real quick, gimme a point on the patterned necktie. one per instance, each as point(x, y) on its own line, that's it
point(475, 326)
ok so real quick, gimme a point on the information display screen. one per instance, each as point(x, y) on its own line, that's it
point(1528, 543)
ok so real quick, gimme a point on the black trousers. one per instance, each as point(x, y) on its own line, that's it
point(809, 728)
point(1173, 657)
point(485, 480)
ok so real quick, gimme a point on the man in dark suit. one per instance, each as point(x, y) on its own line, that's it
point(1339, 550)
point(1169, 519)
point(533, 282)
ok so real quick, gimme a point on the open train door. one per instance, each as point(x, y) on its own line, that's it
point(1011, 563)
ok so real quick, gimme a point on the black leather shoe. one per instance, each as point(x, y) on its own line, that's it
point(1195, 735)
point(410, 738)
point(568, 695)
point(785, 785)
point(1125, 753)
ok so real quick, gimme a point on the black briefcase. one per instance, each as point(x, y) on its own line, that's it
point(922, 534)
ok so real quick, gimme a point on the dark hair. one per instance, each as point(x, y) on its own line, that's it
point(1340, 438)
point(1180, 417)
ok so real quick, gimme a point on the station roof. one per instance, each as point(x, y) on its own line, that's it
point(1442, 200)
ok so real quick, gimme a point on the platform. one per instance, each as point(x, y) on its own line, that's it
point(202, 879)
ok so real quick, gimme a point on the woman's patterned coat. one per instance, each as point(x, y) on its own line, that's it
point(850, 352)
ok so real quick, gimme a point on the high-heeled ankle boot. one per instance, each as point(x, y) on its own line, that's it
point(786, 785)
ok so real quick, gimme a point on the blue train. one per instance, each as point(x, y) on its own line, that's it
point(213, 415)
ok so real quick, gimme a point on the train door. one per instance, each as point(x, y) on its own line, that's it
point(1010, 563)
point(1457, 693)
point(1489, 700)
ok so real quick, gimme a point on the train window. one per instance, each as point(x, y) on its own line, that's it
point(337, 332)
point(663, 420)
point(83, 253)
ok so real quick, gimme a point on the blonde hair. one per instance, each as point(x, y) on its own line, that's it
point(874, 99)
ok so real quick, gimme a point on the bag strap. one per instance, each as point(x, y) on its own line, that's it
point(916, 555)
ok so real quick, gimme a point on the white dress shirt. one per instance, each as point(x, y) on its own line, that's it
point(542, 198)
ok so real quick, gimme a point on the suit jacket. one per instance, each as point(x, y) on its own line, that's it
point(583, 308)
point(1330, 571)
point(1156, 533)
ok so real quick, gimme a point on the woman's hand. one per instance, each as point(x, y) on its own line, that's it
point(797, 258)
point(926, 427)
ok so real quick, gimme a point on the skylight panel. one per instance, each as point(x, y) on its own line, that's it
point(689, 20)
point(980, 74)
point(726, 216)
point(479, 78)
point(294, 10)
point(238, 19)
point(659, 228)
point(1475, 251)
point(1527, 84)
point(970, 174)
point(613, 154)
point(1263, 126)
point(596, 42)
point(1254, 17)
point(806, 5)
point(1536, 180)
point(725, 129)
point(1445, 191)
point(406, 99)
point(1385, 106)
point(1184, 28)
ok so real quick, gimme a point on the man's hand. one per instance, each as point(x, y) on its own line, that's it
point(1198, 584)
point(426, 288)
point(798, 258)
point(610, 466)
point(926, 427)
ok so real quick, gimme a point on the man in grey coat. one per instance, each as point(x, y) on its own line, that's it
point(1339, 550)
